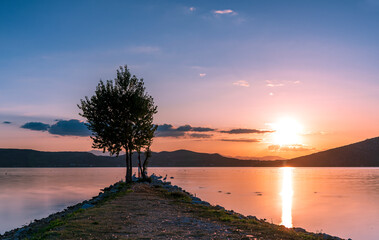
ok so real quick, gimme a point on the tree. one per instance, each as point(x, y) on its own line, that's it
point(120, 116)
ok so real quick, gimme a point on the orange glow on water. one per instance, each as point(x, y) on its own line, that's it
point(287, 194)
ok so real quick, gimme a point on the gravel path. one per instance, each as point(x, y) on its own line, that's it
point(150, 216)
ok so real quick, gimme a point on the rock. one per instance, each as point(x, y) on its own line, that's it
point(219, 207)
point(195, 199)
point(298, 229)
point(201, 203)
point(253, 217)
point(134, 178)
point(113, 190)
point(86, 205)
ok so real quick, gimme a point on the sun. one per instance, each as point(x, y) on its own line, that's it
point(287, 132)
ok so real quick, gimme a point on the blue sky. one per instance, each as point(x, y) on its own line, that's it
point(217, 64)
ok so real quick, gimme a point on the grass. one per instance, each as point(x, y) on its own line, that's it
point(258, 228)
point(178, 195)
point(77, 221)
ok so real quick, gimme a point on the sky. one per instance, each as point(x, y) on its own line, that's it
point(239, 78)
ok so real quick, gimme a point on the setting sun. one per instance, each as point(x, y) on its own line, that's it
point(287, 132)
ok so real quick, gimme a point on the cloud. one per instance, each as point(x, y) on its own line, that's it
point(203, 129)
point(184, 128)
point(242, 83)
point(225, 11)
point(245, 131)
point(270, 83)
point(315, 133)
point(168, 130)
point(71, 127)
point(192, 9)
point(7, 122)
point(36, 126)
point(169, 134)
point(200, 135)
point(165, 127)
point(290, 148)
point(241, 140)
point(202, 74)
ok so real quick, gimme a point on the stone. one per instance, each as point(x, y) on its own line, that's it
point(86, 205)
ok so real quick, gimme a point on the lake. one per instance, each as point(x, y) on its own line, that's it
point(338, 201)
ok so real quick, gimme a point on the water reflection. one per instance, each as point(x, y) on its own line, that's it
point(351, 194)
point(286, 194)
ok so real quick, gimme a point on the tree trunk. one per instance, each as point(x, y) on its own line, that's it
point(144, 168)
point(127, 179)
point(130, 166)
point(139, 165)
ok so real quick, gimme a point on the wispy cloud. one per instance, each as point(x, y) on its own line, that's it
point(290, 148)
point(202, 74)
point(225, 11)
point(315, 133)
point(241, 140)
point(188, 131)
point(270, 83)
point(168, 130)
point(241, 83)
point(245, 131)
point(192, 9)
point(200, 135)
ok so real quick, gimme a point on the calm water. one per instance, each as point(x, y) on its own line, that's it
point(338, 201)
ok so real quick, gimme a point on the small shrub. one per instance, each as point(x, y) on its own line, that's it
point(179, 195)
point(148, 180)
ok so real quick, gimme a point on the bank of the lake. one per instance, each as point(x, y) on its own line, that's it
point(156, 210)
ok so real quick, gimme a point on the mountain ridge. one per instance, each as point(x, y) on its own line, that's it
point(360, 154)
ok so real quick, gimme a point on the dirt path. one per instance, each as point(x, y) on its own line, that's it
point(143, 214)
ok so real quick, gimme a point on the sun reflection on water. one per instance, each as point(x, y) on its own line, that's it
point(287, 193)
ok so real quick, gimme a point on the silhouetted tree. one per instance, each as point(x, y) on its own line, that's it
point(120, 116)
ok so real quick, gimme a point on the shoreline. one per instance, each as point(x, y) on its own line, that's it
point(114, 191)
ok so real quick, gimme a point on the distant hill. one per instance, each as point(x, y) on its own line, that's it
point(180, 158)
point(32, 158)
point(185, 158)
point(360, 154)
point(264, 158)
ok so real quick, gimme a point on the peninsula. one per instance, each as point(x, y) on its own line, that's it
point(155, 210)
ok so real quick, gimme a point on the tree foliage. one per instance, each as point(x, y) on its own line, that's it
point(120, 116)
